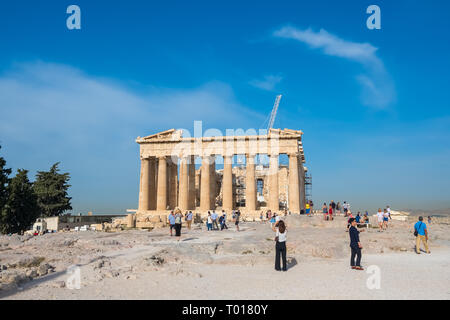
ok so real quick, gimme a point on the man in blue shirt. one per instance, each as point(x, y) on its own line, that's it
point(189, 217)
point(171, 221)
point(214, 220)
point(422, 235)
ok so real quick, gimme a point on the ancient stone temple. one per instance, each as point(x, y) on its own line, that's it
point(169, 177)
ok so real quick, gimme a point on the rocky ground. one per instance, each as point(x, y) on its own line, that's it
point(227, 264)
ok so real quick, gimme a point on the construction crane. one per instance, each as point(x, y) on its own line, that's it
point(274, 112)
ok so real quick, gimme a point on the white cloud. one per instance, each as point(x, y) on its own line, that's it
point(377, 87)
point(267, 83)
point(61, 100)
point(331, 44)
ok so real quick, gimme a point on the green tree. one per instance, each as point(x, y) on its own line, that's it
point(51, 189)
point(4, 181)
point(21, 208)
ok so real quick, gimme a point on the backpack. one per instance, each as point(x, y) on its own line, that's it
point(178, 219)
point(416, 231)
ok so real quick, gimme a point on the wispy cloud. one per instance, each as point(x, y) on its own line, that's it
point(52, 112)
point(377, 87)
point(267, 83)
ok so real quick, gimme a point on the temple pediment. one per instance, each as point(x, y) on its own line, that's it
point(170, 134)
point(285, 132)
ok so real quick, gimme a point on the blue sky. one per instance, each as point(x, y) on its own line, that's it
point(373, 104)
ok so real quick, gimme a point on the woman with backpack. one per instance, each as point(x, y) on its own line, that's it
point(280, 245)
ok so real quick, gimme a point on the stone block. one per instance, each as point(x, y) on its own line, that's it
point(155, 219)
point(144, 225)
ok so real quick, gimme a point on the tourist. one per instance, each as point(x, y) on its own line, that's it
point(307, 207)
point(355, 246)
point(236, 218)
point(324, 211)
point(178, 219)
point(358, 217)
point(209, 221)
point(385, 219)
point(273, 220)
point(171, 222)
point(338, 207)
point(345, 207)
point(224, 222)
point(214, 217)
point(277, 218)
point(261, 216)
point(421, 233)
point(221, 222)
point(380, 217)
point(311, 205)
point(224, 214)
point(429, 219)
point(366, 216)
point(189, 217)
point(389, 212)
point(280, 245)
point(330, 212)
point(333, 206)
point(350, 217)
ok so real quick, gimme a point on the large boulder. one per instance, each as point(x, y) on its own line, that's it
point(155, 219)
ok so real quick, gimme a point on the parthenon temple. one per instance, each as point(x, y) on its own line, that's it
point(169, 178)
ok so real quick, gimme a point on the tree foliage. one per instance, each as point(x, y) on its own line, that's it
point(4, 181)
point(22, 202)
point(21, 208)
point(51, 190)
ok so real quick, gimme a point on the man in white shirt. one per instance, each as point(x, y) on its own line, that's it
point(345, 207)
point(380, 216)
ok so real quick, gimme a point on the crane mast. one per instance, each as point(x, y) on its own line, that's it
point(274, 112)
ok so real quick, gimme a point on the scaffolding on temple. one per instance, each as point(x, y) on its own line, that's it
point(308, 186)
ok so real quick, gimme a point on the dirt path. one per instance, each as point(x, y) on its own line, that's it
point(239, 265)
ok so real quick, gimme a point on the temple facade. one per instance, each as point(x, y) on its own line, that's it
point(169, 177)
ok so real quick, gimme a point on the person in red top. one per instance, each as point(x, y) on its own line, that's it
point(349, 220)
point(330, 213)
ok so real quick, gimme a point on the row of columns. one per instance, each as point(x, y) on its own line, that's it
point(159, 184)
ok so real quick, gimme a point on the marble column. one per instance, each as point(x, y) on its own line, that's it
point(227, 184)
point(161, 197)
point(274, 203)
point(213, 183)
point(294, 196)
point(144, 189)
point(250, 183)
point(205, 191)
point(184, 185)
point(173, 183)
point(302, 194)
point(152, 184)
point(192, 194)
